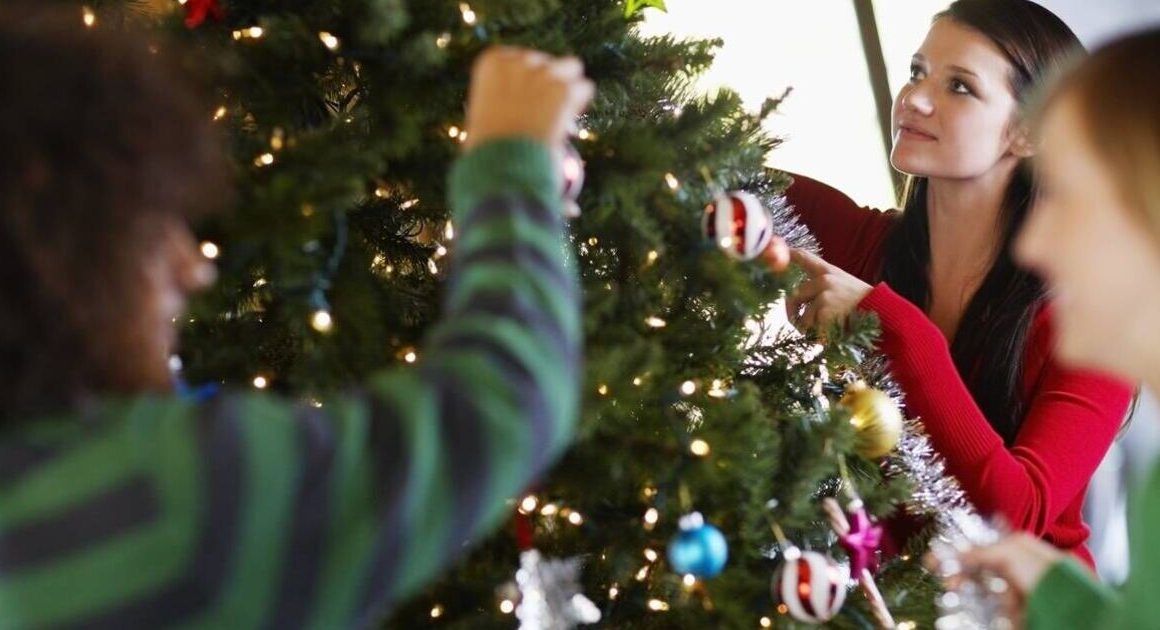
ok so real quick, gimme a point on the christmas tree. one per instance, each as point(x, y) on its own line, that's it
point(343, 117)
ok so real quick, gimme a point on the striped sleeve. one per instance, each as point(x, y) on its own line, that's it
point(250, 512)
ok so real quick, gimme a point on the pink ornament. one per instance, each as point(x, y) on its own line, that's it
point(862, 541)
point(572, 168)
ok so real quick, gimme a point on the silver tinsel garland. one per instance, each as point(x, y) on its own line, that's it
point(936, 494)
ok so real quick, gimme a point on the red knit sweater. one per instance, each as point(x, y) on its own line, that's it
point(1038, 483)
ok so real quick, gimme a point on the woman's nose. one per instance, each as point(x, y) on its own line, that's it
point(917, 99)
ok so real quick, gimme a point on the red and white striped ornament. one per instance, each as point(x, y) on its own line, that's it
point(739, 224)
point(812, 586)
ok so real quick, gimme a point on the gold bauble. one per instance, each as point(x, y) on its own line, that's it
point(875, 417)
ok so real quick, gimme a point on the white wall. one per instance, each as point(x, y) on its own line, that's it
point(829, 122)
point(1096, 21)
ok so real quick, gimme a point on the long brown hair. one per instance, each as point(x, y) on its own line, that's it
point(988, 348)
point(102, 149)
point(1117, 95)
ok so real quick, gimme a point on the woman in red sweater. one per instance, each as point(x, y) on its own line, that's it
point(967, 333)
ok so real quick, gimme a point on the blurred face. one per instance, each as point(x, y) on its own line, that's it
point(174, 270)
point(1098, 258)
point(955, 118)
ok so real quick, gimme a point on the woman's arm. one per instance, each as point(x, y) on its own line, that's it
point(1071, 420)
point(1069, 425)
point(847, 232)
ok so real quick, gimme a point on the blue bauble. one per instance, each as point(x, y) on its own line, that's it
point(698, 549)
point(196, 393)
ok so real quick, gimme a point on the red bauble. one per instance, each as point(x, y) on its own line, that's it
point(196, 12)
point(738, 224)
point(812, 586)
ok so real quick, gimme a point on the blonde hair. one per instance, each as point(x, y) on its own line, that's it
point(1116, 92)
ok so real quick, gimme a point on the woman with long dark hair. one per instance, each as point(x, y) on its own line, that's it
point(967, 332)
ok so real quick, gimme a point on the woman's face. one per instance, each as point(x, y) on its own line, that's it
point(1097, 256)
point(955, 118)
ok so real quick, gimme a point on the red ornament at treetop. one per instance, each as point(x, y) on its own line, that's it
point(196, 12)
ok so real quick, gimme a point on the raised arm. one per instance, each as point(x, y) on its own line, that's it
point(1071, 419)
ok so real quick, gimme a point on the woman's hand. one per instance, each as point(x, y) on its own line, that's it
point(517, 92)
point(828, 294)
point(1019, 558)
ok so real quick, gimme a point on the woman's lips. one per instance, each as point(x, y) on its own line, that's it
point(913, 133)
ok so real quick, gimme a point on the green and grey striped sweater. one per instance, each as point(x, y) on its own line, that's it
point(251, 511)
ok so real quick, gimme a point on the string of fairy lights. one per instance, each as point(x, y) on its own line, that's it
point(321, 319)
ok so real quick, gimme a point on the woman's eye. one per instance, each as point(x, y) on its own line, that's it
point(916, 73)
point(958, 87)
